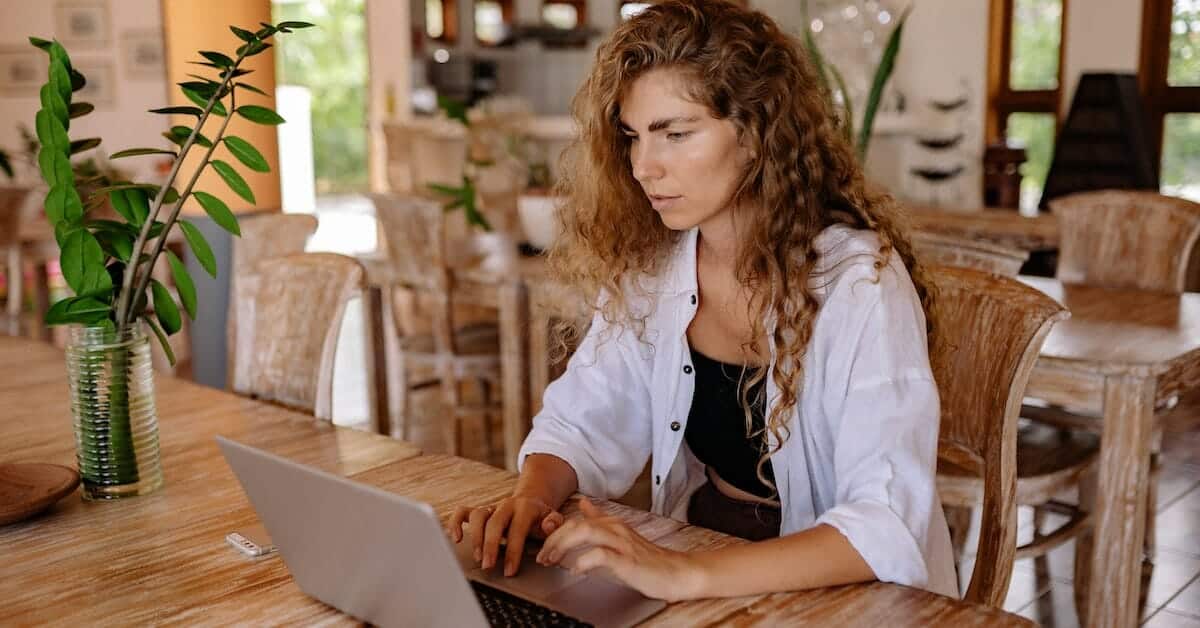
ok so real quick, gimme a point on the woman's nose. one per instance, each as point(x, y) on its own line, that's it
point(646, 164)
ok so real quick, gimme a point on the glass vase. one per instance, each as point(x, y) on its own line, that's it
point(112, 403)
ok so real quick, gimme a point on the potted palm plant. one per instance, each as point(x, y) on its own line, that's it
point(108, 264)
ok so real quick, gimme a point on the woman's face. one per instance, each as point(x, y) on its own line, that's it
point(687, 162)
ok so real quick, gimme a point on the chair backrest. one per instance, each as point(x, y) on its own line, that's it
point(944, 250)
point(1126, 239)
point(415, 230)
point(988, 332)
point(300, 302)
point(264, 237)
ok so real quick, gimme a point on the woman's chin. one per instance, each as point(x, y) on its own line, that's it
point(676, 221)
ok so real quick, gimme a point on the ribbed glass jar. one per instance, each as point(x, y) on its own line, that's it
point(112, 402)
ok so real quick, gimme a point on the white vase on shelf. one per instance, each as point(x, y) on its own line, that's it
point(498, 251)
point(538, 221)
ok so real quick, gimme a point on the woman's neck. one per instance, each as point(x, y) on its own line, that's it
point(719, 240)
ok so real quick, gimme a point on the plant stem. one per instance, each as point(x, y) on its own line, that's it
point(124, 319)
point(170, 222)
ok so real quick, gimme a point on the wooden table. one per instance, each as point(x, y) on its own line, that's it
point(1120, 355)
point(162, 558)
point(999, 226)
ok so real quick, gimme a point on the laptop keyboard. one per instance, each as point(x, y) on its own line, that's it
point(506, 609)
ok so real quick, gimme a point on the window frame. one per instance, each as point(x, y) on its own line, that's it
point(1159, 97)
point(1003, 100)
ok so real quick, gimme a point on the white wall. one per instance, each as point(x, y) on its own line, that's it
point(122, 124)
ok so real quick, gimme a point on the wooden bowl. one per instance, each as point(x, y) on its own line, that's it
point(29, 488)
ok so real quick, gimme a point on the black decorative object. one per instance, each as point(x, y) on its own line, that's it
point(1103, 143)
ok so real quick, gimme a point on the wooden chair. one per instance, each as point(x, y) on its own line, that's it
point(1126, 239)
point(1122, 239)
point(264, 237)
point(12, 205)
point(415, 232)
point(944, 250)
point(300, 301)
point(989, 330)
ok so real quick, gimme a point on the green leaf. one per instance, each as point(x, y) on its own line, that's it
point(78, 146)
point(200, 247)
point(55, 105)
point(295, 25)
point(135, 152)
point(38, 42)
point(445, 189)
point(184, 284)
point(204, 87)
point(247, 154)
point(60, 79)
point(261, 115)
point(165, 308)
point(253, 48)
point(887, 63)
point(162, 339)
point(266, 31)
point(249, 87)
point(80, 109)
point(116, 244)
point(82, 262)
point(120, 204)
point(178, 135)
point(217, 58)
point(81, 309)
point(202, 101)
point(139, 204)
point(454, 109)
point(191, 111)
point(51, 132)
point(218, 211)
point(242, 34)
point(63, 205)
point(233, 180)
point(236, 73)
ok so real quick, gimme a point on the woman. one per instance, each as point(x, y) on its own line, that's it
point(757, 336)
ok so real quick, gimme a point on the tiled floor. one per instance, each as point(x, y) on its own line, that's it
point(1040, 590)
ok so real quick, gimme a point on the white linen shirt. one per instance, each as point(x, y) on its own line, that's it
point(861, 455)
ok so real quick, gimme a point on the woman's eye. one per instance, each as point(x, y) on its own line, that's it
point(678, 136)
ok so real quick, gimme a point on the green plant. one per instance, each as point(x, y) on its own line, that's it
point(827, 71)
point(108, 263)
point(463, 196)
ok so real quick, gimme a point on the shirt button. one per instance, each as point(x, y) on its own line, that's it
point(693, 299)
point(675, 426)
point(687, 368)
point(658, 479)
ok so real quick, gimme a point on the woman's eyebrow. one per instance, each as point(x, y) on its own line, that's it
point(659, 124)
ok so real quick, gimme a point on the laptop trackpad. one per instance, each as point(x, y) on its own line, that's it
point(601, 601)
point(533, 581)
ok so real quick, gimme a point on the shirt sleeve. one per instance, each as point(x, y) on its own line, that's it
point(596, 417)
point(884, 415)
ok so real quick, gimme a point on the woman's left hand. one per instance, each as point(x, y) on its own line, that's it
point(654, 571)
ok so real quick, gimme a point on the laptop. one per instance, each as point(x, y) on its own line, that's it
point(386, 560)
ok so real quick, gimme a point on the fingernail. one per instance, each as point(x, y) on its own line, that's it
point(478, 555)
point(509, 571)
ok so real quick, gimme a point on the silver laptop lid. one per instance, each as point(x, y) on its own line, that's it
point(372, 554)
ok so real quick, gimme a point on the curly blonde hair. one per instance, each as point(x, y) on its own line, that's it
point(802, 178)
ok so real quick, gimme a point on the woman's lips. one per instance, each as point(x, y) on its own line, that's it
point(660, 202)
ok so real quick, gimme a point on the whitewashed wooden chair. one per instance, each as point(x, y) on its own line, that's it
point(264, 237)
point(988, 332)
point(300, 301)
point(943, 250)
point(448, 354)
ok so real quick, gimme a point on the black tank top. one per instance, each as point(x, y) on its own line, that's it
point(716, 427)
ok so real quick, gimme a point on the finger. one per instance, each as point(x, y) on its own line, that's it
point(579, 532)
point(551, 522)
point(603, 559)
point(493, 532)
point(590, 509)
point(518, 529)
point(456, 521)
point(475, 523)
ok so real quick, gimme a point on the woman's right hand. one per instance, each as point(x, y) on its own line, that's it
point(513, 518)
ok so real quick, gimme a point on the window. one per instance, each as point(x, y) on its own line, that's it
point(441, 20)
point(565, 14)
point(493, 21)
point(1170, 82)
point(1025, 83)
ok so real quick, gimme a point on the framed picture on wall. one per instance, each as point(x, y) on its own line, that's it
point(101, 88)
point(142, 54)
point(82, 22)
point(22, 71)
